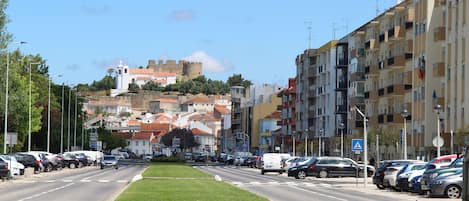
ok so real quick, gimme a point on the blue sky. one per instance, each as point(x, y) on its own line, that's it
point(259, 39)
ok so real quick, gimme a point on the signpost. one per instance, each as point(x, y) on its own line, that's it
point(358, 145)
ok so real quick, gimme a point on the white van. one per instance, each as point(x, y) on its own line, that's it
point(271, 162)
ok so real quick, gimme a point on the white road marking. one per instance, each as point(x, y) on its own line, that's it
point(273, 183)
point(95, 175)
point(326, 185)
point(291, 183)
point(237, 183)
point(255, 183)
point(103, 181)
point(49, 181)
point(309, 184)
point(317, 193)
point(122, 181)
point(67, 180)
point(85, 180)
point(45, 192)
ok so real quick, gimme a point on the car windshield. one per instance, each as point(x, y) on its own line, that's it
point(109, 158)
point(457, 163)
point(418, 167)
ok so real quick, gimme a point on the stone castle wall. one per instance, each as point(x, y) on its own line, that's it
point(181, 68)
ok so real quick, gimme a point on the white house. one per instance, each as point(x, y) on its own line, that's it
point(206, 141)
point(140, 76)
point(141, 143)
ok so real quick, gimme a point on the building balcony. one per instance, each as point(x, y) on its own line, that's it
point(279, 107)
point(439, 33)
point(389, 118)
point(371, 44)
point(390, 89)
point(439, 69)
point(341, 109)
point(395, 118)
point(440, 101)
point(380, 118)
point(409, 45)
point(396, 89)
point(367, 95)
point(357, 76)
point(409, 25)
point(396, 33)
point(408, 55)
point(396, 62)
point(358, 124)
point(381, 37)
point(236, 121)
point(312, 72)
point(342, 85)
point(381, 92)
point(372, 120)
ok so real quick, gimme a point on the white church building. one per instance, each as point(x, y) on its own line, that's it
point(139, 76)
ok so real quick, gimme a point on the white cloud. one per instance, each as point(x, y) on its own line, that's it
point(182, 15)
point(209, 64)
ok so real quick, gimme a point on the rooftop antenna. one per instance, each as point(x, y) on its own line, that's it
point(377, 8)
point(308, 24)
point(334, 30)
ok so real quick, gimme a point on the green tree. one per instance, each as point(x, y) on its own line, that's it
point(152, 86)
point(133, 87)
point(185, 135)
point(111, 141)
point(238, 80)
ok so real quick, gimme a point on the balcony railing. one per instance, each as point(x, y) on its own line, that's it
point(380, 118)
point(381, 92)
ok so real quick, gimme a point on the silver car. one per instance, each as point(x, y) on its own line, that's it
point(109, 161)
point(447, 185)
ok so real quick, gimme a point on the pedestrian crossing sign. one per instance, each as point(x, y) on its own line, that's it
point(357, 145)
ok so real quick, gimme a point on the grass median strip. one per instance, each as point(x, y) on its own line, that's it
point(182, 182)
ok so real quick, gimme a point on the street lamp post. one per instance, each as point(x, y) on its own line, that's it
point(68, 119)
point(342, 127)
point(437, 110)
point(6, 100)
point(75, 124)
point(306, 142)
point(48, 117)
point(62, 122)
point(365, 146)
point(294, 143)
point(321, 131)
point(405, 114)
point(30, 98)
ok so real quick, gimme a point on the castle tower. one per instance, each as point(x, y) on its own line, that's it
point(191, 69)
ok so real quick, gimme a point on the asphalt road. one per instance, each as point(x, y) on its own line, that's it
point(277, 187)
point(91, 183)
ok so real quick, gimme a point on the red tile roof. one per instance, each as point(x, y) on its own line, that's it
point(199, 99)
point(161, 127)
point(197, 131)
point(221, 109)
point(133, 122)
point(125, 135)
point(168, 100)
point(142, 136)
point(140, 71)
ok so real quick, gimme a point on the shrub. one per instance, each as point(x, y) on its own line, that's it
point(167, 159)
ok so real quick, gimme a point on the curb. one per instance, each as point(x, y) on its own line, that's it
point(135, 178)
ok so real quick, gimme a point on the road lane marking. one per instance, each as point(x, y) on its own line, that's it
point(122, 181)
point(237, 183)
point(49, 181)
point(273, 183)
point(85, 180)
point(290, 183)
point(255, 183)
point(317, 193)
point(67, 180)
point(45, 192)
point(103, 181)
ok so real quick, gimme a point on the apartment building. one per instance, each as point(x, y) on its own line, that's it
point(306, 73)
point(455, 89)
point(288, 113)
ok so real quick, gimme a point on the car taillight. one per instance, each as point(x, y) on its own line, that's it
point(6, 166)
point(37, 162)
point(382, 174)
point(312, 167)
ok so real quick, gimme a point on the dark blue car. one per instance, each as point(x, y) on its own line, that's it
point(416, 186)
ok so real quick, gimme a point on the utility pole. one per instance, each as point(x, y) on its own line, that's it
point(62, 123)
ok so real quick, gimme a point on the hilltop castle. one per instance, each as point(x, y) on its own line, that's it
point(183, 69)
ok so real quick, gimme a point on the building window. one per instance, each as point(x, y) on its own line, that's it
point(463, 73)
point(449, 74)
point(125, 71)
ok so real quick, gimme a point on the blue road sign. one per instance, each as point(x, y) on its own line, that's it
point(358, 145)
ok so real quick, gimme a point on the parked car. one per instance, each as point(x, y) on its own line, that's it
point(37, 158)
point(379, 174)
point(250, 161)
point(147, 156)
point(430, 174)
point(258, 163)
point(229, 160)
point(271, 162)
point(390, 176)
point(50, 162)
point(323, 167)
point(201, 158)
point(407, 173)
point(109, 161)
point(188, 156)
point(4, 170)
point(447, 185)
point(70, 160)
point(15, 167)
point(28, 161)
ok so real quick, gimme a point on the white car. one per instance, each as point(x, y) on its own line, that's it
point(147, 156)
point(15, 167)
point(390, 176)
point(272, 162)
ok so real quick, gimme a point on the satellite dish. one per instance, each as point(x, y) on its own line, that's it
point(438, 143)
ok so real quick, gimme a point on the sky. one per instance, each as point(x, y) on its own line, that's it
point(260, 39)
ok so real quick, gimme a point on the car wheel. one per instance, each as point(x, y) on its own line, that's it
point(117, 167)
point(301, 174)
point(323, 174)
point(453, 191)
point(102, 167)
point(72, 166)
point(48, 168)
point(80, 165)
point(262, 172)
point(380, 186)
